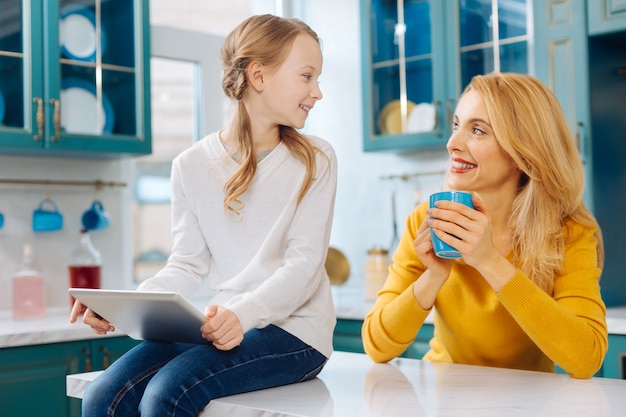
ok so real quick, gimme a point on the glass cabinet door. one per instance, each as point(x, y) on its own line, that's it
point(21, 94)
point(399, 66)
point(94, 93)
point(74, 76)
point(493, 37)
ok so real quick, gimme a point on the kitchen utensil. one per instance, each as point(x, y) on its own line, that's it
point(422, 118)
point(77, 33)
point(47, 220)
point(95, 217)
point(337, 266)
point(390, 118)
point(82, 110)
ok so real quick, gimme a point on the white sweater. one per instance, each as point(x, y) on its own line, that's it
point(267, 266)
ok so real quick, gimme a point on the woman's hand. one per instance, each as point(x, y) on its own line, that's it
point(466, 229)
point(473, 238)
point(222, 328)
point(423, 245)
point(97, 323)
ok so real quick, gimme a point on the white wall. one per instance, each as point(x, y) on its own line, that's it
point(52, 249)
point(363, 217)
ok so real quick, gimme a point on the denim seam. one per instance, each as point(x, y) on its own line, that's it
point(274, 355)
point(130, 385)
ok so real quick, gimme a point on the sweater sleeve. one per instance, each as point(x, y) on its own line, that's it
point(396, 317)
point(569, 326)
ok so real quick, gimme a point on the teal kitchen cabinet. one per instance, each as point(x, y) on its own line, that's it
point(615, 360)
point(562, 62)
point(418, 55)
point(586, 72)
point(32, 378)
point(74, 77)
point(347, 338)
point(606, 16)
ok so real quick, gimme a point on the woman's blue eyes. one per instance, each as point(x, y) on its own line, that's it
point(475, 130)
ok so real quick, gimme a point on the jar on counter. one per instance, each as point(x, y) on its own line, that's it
point(376, 270)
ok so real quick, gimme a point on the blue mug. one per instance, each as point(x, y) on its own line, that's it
point(1, 220)
point(95, 218)
point(47, 220)
point(442, 249)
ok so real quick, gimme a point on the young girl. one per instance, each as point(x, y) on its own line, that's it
point(526, 293)
point(252, 208)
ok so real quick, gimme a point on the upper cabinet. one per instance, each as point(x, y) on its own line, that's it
point(74, 77)
point(606, 16)
point(418, 55)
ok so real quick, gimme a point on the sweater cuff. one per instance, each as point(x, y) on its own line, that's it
point(516, 293)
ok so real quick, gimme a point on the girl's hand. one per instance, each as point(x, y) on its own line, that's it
point(222, 327)
point(97, 323)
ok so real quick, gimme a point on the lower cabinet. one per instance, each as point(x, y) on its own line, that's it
point(32, 378)
point(615, 359)
point(347, 338)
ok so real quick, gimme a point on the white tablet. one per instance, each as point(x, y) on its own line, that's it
point(160, 316)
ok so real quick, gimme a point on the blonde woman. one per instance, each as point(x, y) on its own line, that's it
point(252, 209)
point(526, 292)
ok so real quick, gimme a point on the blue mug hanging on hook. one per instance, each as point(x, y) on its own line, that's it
point(46, 217)
point(95, 218)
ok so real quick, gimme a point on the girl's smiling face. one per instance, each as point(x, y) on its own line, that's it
point(292, 89)
point(477, 161)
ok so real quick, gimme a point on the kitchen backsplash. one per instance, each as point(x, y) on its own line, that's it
point(52, 249)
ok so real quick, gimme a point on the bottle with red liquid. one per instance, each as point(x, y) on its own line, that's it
point(29, 289)
point(85, 264)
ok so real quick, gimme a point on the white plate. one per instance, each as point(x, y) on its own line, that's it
point(80, 111)
point(422, 118)
point(77, 33)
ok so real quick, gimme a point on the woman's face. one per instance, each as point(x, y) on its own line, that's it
point(477, 161)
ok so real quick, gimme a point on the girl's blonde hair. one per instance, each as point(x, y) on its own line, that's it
point(529, 124)
point(266, 39)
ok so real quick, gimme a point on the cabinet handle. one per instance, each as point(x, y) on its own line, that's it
point(581, 143)
point(56, 118)
point(39, 117)
point(449, 105)
point(106, 359)
point(88, 365)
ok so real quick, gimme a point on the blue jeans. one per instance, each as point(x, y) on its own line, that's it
point(176, 379)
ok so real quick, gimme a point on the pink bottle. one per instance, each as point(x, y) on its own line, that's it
point(29, 289)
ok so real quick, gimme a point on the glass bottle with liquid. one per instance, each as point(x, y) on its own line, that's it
point(85, 264)
point(28, 288)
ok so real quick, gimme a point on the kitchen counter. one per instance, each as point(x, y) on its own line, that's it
point(351, 385)
point(349, 304)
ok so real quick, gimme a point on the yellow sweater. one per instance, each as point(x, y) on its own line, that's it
point(519, 327)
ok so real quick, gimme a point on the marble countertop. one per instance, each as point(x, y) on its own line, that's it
point(349, 304)
point(351, 385)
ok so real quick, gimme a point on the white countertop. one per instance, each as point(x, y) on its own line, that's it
point(349, 304)
point(351, 385)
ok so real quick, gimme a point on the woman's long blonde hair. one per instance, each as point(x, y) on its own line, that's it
point(266, 39)
point(529, 124)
